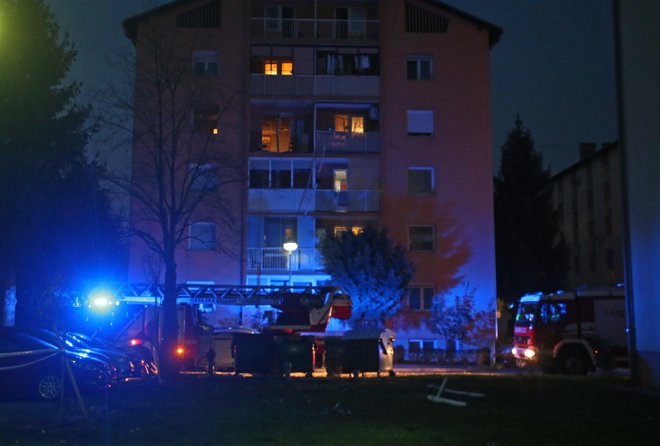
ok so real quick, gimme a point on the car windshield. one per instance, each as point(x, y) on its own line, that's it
point(526, 313)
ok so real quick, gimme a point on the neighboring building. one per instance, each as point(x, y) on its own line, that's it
point(638, 75)
point(588, 198)
point(347, 113)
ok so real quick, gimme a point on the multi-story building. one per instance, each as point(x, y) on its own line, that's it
point(588, 198)
point(346, 113)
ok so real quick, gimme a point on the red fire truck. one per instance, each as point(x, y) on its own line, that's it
point(572, 332)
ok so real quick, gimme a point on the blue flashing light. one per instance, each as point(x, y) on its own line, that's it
point(102, 300)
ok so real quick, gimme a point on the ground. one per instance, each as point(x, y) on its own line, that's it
point(195, 409)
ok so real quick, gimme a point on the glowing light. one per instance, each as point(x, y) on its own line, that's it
point(102, 300)
point(290, 246)
point(529, 353)
point(180, 351)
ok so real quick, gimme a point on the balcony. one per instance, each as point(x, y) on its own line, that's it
point(346, 142)
point(280, 200)
point(347, 201)
point(277, 259)
point(263, 28)
point(310, 85)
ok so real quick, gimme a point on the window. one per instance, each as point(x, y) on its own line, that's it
point(203, 177)
point(202, 237)
point(277, 133)
point(205, 63)
point(205, 120)
point(421, 180)
point(278, 230)
point(356, 230)
point(419, 67)
point(553, 313)
point(280, 174)
point(334, 63)
point(350, 22)
point(421, 238)
point(281, 67)
point(349, 123)
point(420, 122)
point(279, 20)
point(420, 297)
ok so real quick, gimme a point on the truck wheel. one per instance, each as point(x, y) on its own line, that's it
point(573, 362)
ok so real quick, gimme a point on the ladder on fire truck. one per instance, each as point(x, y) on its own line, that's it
point(192, 294)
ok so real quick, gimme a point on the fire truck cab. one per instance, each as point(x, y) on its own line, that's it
point(573, 332)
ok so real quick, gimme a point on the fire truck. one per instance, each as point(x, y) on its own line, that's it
point(574, 331)
point(286, 312)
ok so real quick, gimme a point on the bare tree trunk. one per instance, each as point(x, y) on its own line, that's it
point(170, 322)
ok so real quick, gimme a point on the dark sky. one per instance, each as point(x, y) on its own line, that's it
point(554, 64)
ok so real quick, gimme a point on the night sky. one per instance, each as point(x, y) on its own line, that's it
point(554, 64)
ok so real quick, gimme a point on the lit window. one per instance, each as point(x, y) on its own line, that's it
point(287, 68)
point(278, 67)
point(202, 237)
point(420, 122)
point(419, 67)
point(421, 238)
point(421, 180)
point(270, 68)
point(357, 124)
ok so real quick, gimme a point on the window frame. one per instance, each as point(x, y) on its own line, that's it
point(426, 297)
point(432, 180)
point(418, 60)
point(194, 239)
point(420, 122)
point(206, 58)
point(417, 247)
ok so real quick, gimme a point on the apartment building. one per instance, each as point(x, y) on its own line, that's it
point(588, 197)
point(341, 114)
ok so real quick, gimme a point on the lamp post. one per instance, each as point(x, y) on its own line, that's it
point(290, 246)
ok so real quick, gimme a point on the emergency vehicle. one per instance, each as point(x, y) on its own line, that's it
point(574, 331)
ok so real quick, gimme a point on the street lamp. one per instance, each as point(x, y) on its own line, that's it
point(290, 246)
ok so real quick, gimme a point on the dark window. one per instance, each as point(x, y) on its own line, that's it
point(420, 180)
point(202, 237)
point(420, 238)
point(205, 120)
point(418, 67)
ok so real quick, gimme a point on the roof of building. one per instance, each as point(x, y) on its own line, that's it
point(130, 24)
point(606, 148)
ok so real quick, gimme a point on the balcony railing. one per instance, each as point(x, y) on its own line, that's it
point(347, 142)
point(348, 201)
point(310, 85)
point(313, 29)
point(277, 259)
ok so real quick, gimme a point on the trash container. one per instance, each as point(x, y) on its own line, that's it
point(273, 354)
point(359, 351)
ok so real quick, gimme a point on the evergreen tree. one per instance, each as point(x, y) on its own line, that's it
point(530, 251)
point(370, 269)
point(53, 211)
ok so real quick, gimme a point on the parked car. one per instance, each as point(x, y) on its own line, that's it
point(142, 365)
point(30, 366)
point(119, 368)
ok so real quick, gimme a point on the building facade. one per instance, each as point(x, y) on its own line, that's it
point(638, 69)
point(339, 114)
point(588, 198)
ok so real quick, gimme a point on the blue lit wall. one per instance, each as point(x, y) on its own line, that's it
point(638, 39)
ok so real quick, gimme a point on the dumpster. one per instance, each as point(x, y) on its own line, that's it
point(359, 351)
point(273, 354)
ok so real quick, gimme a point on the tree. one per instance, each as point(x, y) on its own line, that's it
point(531, 254)
point(370, 269)
point(55, 217)
point(186, 169)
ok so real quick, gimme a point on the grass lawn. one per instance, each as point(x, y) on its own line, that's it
point(228, 410)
